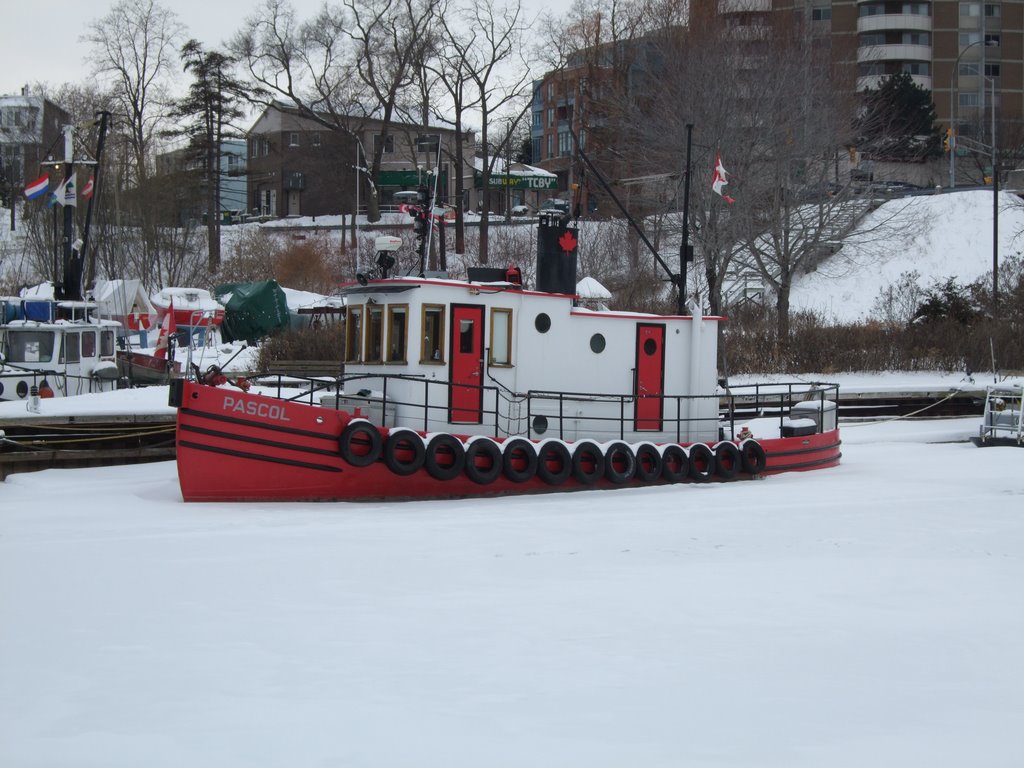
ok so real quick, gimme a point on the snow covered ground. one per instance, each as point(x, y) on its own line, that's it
point(863, 615)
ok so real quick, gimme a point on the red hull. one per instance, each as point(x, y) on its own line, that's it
point(233, 446)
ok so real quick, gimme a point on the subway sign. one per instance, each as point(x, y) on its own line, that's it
point(503, 181)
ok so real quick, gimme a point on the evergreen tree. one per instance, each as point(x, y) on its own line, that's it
point(898, 121)
point(209, 110)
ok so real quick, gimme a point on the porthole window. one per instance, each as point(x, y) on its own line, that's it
point(542, 323)
point(597, 343)
point(650, 347)
point(540, 424)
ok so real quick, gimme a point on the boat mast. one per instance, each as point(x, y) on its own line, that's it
point(90, 263)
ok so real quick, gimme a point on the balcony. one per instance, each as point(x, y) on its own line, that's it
point(744, 6)
point(886, 21)
point(869, 53)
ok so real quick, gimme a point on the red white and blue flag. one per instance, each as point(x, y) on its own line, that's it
point(88, 188)
point(38, 187)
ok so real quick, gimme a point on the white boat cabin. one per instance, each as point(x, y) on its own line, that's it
point(59, 357)
point(491, 357)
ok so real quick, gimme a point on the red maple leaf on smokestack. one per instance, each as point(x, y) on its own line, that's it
point(567, 241)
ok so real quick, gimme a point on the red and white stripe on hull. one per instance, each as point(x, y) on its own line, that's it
point(236, 446)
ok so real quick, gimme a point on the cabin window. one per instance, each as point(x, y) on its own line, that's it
point(398, 315)
point(70, 351)
point(353, 334)
point(107, 343)
point(89, 344)
point(432, 350)
point(542, 323)
point(597, 343)
point(30, 346)
point(374, 333)
point(501, 337)
point(466, 337)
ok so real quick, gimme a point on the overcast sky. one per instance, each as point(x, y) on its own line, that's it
point(39, 39)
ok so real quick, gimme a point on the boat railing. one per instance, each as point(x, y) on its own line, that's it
point(747, 401)
point(66, 384)
point(503, 412)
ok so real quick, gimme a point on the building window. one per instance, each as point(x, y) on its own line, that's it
point(915, 38)
point(374, 333)
point(916, 68)
point(397, 328)
point(867, 9)
point(992, 39)
point(387, 142)
point(501, 337)
point(432, 350)
point(968, 99)
point(316, 139)
point(551, 145)
point(970, 9)
point(821, 14)
point(917, 9)
point(969, 38)
point(536, 150)
point(968, 69)
point(992, 70)
point(353, 334)
point(538, 119)
point(992, 10)
point(255, 148)
point(293, 139)
point(872, 38)
point(564, 143)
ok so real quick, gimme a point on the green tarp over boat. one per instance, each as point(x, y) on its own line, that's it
point(252, 310)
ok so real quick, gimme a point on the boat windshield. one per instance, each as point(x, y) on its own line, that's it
point(29, 346)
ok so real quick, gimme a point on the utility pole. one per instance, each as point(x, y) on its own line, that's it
point(684, 248)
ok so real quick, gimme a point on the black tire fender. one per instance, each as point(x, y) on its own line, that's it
point(404, 452)
point(702, 463)
point(520, 460)
point(490, 452)
point(675, 466)
point(554, 464)
point(728, 461)
point(445, 445)
point(587, 462)
point(619, 463)
point(648, 463)
point(754, 458)
point(360, 443)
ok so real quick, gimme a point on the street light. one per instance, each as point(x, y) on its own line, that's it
point(952, 99)
point(995, 204)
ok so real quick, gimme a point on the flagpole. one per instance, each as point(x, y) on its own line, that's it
point(91, 264)
point(69, 289)
point(684, 248)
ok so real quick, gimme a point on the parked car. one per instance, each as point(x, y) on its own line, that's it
point(555, 204)
point(521, 210)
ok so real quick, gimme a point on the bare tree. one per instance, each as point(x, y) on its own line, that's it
point(348, 64)
point(135, 46)
point(499, 75)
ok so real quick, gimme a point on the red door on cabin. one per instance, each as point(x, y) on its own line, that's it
point(466, 394)
point(650, 376)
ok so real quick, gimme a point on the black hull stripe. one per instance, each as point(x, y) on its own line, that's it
point(257, 441)
point(258, 457)
point(804, 464)
point(810, 449)
point(255, 424)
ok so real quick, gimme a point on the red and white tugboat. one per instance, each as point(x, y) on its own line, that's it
point(481, 387)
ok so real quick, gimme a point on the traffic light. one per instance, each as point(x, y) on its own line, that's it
point(853, 154)
point(950, 141)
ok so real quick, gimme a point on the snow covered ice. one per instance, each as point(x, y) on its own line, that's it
point(864, 615)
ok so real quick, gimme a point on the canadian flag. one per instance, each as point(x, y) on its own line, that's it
point(719, 179)
point(167, 329)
